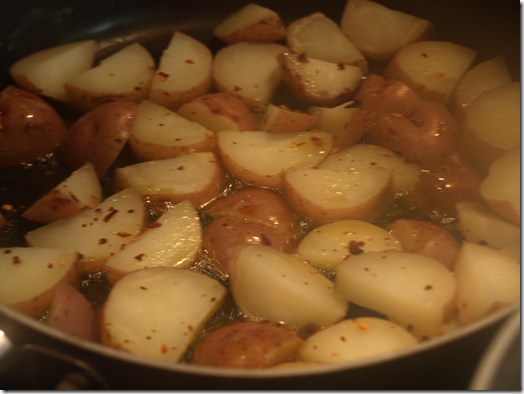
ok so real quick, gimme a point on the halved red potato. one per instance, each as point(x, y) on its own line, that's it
point(348, 125)
point(317, 82)
point(412, 290)
point(275, 286)
point(385, 97)
point(309, 35)
point(98, 136)
point(260, 158)
point(487, 280)
point(31, 128)
point(157, 312)
point(252, 23)
point(427, 137)
point(248, 345)
point(491, 125)
point(379, 32)
point(45, 72)
point(354, 339)
point(427, 239)
point(124, 76)
point(173, 240)
point(484, 76)
point(95, 233)
point(233, 71)
point(70, 312)
point(219, 111)
point(256, 205)
point(431, 68)
point(30, 277)
point(479, 224)
point(325, 195)
point(158, 133)
point(280, 119)
point(197, 177)
point(365, 157)
point(500, 189)
point(184, 72)
point(326, 246)
point(81, 190)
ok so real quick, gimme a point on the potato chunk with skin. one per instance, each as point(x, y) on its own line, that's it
point(355, 339)
point(157, 312)
point(247, 345)
point(412, 290)
point(487, 280)
point(275, 286)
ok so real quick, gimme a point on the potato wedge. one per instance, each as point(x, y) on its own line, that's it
point(157, 312)
point(81, 190)
point(30, 276)
point(260, 158)
point(124, 76)
point(252, 23)
point(197, 177)
point(184, 72)
point(487, 280)
point(328, 245)
point(45, 72)
point(280, 119)
point(275, 286)
point(173, 240)
point(159, 133)
point(355, 339)
point(247, 345)
point(415, 291)
point(431, 68)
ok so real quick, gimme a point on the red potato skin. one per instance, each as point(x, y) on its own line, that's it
point(426, 138)
point(29, 127)
point(247, 345)
point(98, 136)
point(384, 97)
point(443, 186)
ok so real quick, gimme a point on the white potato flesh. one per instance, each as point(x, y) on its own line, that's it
point(479, 224)
point(365, 157)
point(29, 276)
point(184, 72)
point(157, 312)
point(501, 188)
point(309, 35)
point(173, 240)
point(197, 177)
point(81, 190)
point(412, 290)
point(355, 339)
point(279, 119)
point(125, 75)
point(328, 245)
point(486, 281)
point(431, 68)
point(512, 250)
point(348, 125)
point(260, 157)
point(95, 233)
point(379, 32)
point(317, 82)
point(233, 71)
point(46, 71)
point(159, 133)
point(324, 195)
point(484, 76)
point(271, 285)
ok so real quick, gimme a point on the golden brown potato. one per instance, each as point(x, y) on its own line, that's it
point(98, 136)
point(248, 345)
point(30, 128)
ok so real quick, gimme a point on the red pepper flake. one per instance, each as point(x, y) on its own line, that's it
point(343, 339)
point(428, 287)
point(300, 144)
point(98, 210)
point(409, 328)
point(317, 141)
point(73, 197)
point(143, 288)
point(154, 225)
point(355, 247)
point(363, 325)
point(190, 328)
point(424, 55)
point(237, 88)
point(341, 66)
point(8, 251)
point(302, 58)
point(163, 76)
point(110, 215)
point(438, 75)
point(180, 168)
point(139, 257)
point(50, 265)
point(213, 299)
point(123, 235)
point(102, 241)
point(16, 260)
point(190, 61)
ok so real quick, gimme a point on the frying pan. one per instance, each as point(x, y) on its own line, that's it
point(37, 357)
